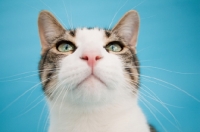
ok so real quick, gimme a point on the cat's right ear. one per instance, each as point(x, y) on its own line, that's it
point(127, 28)
point(49, 29)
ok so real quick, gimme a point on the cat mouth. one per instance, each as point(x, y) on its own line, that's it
point(91, 79)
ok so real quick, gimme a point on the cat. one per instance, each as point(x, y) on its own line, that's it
point(90, 76)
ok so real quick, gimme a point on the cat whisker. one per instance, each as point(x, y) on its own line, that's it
point(152, 112)
point(62, 101)
point(138, 4)
point(153, 98)
point(25, 82)
point(116, 14)
point(40, 95)
point(131, 84)
point(165, 82)
point(157, 99)
point(63, 88)
point(161, 102)
point(71, 14)
point(46, 90)
point(70, 24)
point(55, 87)
point(30, 6)
point(148, 80)
point(30, 108)
point(183, 91)
point(47, 80)
point(32, 88)
point(45, 105)
point(146, 60)
point(148, 47)
point(33, 101)
point(53, 92)
point(53, 12)
point(18, 98)
point(47, 119)
point(147, 17)
point(143, 100)
point(12, 80)
point(27, 73)
point(177, 123)
point(153, 67)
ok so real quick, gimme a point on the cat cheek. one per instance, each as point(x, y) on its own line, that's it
point(71, 70)
point(109, 71)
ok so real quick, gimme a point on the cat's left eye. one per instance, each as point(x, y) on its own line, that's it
point(114, 47)
point(65, 47)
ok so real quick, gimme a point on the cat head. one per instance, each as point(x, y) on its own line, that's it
point(88, 65)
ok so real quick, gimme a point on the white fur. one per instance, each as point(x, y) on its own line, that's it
point(105, 103)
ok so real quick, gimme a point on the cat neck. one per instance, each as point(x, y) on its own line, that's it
point(119, 116)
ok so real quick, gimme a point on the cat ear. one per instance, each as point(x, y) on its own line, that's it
point(49, 29)
point(127, 28)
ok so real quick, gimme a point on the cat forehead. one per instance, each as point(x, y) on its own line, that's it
point(90, 36)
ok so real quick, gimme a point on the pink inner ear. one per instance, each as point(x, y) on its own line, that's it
point(128, 27)
point(49, 28)
point(43, 41)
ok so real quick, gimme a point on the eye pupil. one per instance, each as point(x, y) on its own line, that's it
point(66, 46)
point(115, 48)
point(112, 47)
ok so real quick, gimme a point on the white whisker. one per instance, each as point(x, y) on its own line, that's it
point(163, 69)
point(138, 4)
point(163, 104)
point(35, 86)
point(28, 73)
point(12, 80)
point(172, 86)
point(71, 20)
point(30, 6)
point(70, 24)
point(41, 116)
point(116, 14)
point(30, 108)
point(147, 17)
point(154, 115)
point(53, 12)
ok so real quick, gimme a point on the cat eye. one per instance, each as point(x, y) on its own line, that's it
point(114, 47)
point(65, 46)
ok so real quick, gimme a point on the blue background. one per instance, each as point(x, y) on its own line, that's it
point(168, 48)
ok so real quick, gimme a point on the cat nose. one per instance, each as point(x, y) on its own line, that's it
point(91, 58)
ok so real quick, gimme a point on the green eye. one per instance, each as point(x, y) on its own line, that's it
point(114, 47)
point(66, 47)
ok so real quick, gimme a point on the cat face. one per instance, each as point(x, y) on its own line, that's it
point(88, 65)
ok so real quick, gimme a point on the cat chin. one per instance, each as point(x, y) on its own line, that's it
point(90, 90)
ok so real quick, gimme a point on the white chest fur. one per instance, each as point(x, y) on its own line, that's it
point(117, 117)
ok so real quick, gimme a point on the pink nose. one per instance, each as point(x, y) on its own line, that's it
point(91, 58)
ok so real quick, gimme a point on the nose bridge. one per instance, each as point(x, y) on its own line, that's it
point(92, 48)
